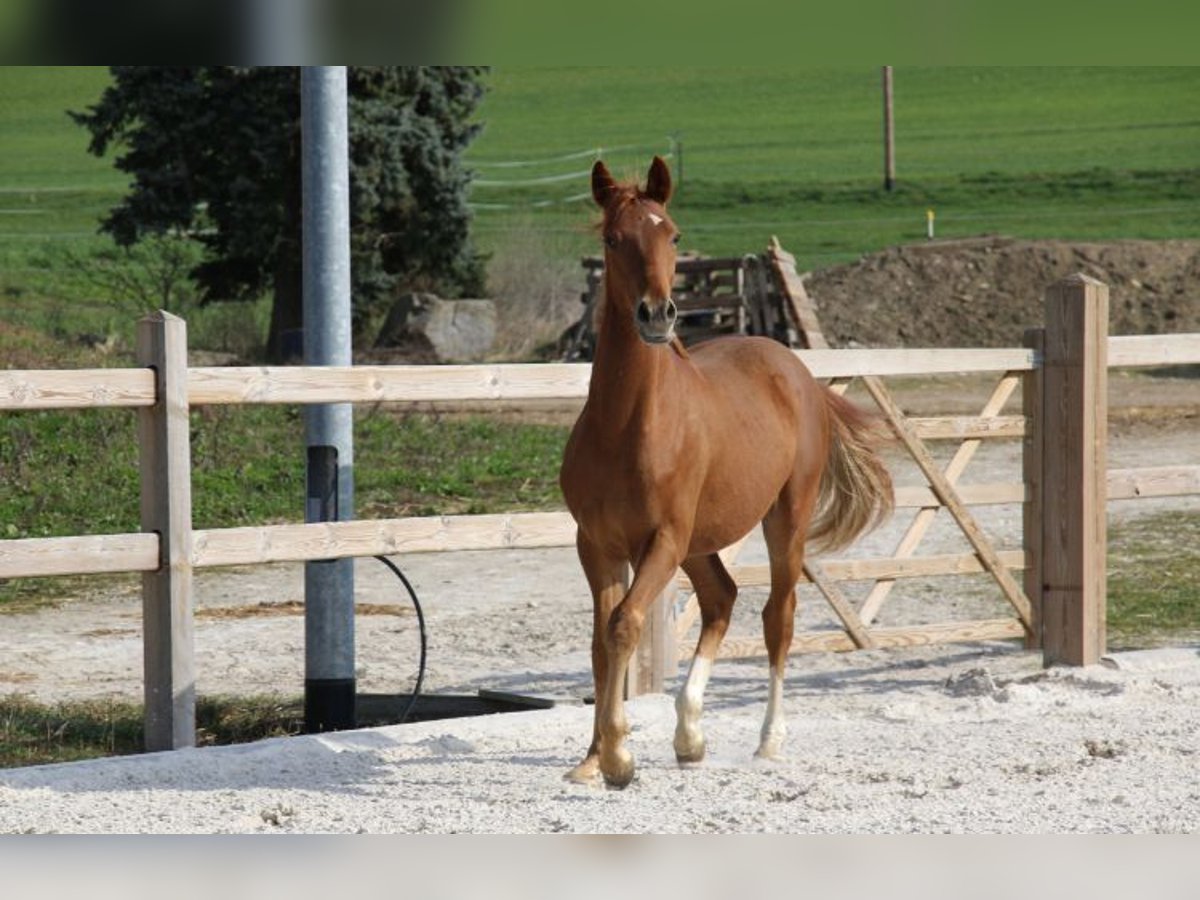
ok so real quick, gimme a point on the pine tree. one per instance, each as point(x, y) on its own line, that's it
point(214, 152)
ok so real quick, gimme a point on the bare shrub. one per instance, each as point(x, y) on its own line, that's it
point(535, 280)
point(155, 273)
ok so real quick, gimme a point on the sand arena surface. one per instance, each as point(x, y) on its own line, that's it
point(973, 739)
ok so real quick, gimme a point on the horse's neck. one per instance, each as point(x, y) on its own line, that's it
point(628, 375)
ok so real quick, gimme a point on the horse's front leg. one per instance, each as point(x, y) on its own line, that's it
point(654, 572)
point(606, 575)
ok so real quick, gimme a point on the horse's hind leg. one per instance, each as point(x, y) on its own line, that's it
point(716, 592)
point(785, 529)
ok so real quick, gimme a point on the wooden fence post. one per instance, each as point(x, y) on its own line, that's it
point(1032, 389)
point(1073, 476)
point(167, 602)
point(656, 657)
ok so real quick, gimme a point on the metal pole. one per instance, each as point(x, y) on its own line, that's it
point(889, 136)
point(329, 684)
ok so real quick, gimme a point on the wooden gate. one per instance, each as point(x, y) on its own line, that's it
point(1059, 603)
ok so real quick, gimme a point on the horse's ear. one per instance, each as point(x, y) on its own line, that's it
point(602, 183)
point(658, 182)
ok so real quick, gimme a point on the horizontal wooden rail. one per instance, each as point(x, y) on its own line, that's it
point(1159, 481)
point(380, 537)
point(86, 388)
point(136, 552)
point(88, 555)
point(1153, 350)
point(382, 384)
point(75, 388)
point(928, 361)
point(961, 428)
point(971, 494)
point(530, 381)
point(903, 636)
point(876, 568)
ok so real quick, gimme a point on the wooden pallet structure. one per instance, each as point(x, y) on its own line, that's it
point(795, 302)
point(715, 296)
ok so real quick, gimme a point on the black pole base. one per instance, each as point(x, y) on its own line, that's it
point(329, 704)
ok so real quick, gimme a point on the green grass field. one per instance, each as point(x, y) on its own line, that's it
point(50, 186)
point(43, 148)
point(1067, 153)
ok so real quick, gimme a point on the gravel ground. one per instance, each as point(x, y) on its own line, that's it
point(975, 739)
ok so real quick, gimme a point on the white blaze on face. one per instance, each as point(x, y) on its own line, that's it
point(655, 219)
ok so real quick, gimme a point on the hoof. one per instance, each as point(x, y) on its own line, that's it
point(587, 772)
point(689, 748)
point(769, 750)
point(618, 771)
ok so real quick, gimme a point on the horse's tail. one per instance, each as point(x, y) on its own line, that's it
point(856, 489)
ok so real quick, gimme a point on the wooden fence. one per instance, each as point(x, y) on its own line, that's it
point(1059, 605)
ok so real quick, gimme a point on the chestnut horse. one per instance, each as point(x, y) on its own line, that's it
point(678, 453)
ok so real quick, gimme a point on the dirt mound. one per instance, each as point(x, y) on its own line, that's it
point(986, 291)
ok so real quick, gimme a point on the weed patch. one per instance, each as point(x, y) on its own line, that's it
point(33, 733)
point(1154, 580)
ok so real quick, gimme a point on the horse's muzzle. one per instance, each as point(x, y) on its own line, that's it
point(656, 321)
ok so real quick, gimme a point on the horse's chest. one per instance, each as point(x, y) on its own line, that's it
point(632, 483)
point(641, 489)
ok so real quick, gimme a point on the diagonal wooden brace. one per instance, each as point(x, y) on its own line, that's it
point(949, 498)
point(845, 610)
point(925, 517)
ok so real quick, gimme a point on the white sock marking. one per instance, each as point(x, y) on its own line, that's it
point(774, 728)
point(688, 706)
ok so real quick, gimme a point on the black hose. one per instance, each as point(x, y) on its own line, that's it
point(421, 625)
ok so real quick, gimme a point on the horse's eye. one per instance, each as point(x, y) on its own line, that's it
point(675, 240)
point(610, 240)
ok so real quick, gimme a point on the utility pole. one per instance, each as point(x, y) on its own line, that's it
point(676, 139)
point(329, 680)
point(889, 135)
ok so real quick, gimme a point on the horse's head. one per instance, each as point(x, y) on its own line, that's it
point(639, 249)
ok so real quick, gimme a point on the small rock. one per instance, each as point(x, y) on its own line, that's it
point(976, 682)
point(447, 745)
point(277, 815)
point(1099, 748)
point(427, 329)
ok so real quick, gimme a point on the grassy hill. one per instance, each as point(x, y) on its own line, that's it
point(51, 188)
point(1070, 153)
point(43, 148)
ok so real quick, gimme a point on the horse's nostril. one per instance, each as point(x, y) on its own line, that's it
point(643, 313)
point(672, 311)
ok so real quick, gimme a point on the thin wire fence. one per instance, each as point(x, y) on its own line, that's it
point(520, 191)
